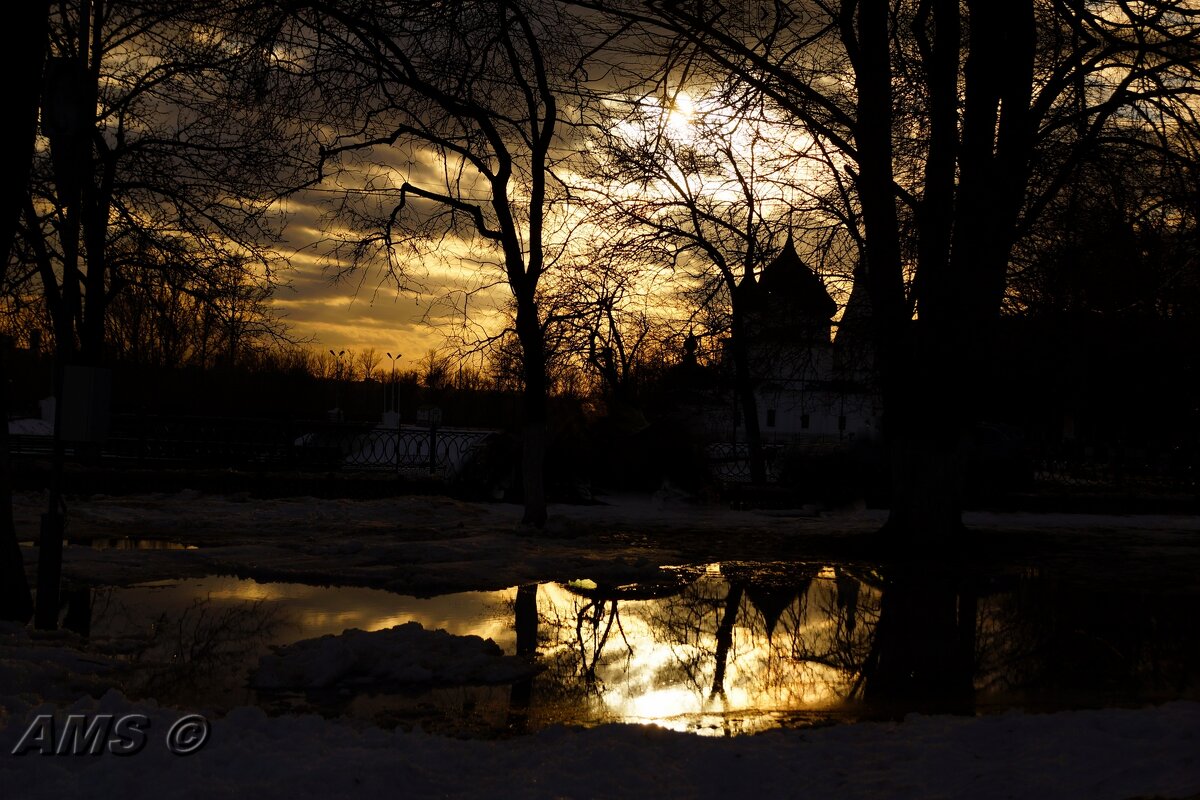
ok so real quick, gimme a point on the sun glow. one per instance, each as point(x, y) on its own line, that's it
point(678, 115)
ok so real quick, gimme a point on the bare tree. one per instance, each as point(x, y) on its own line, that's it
point(942, 110)
point(1115, 240)
point(176, 169)
point(160, 152)
point(603, 318)
point(704, 188)
point(447, 119)
point(367, 361)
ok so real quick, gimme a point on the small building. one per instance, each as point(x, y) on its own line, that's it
point(810, 386)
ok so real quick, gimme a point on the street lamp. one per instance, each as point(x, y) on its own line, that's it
point(395, 389)
point(337, 380)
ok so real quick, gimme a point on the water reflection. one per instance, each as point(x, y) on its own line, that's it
point(731, 650)
point(194, 642)
point(922, 654)
point(721, 649)
point(525, 623)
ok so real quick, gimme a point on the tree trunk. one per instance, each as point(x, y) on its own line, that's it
point(534, 414)
point(533, 465)
point(50, 546)
point(927, 491)
point(927, 423)
point(16, 603)
point(744, 388)
point(914, 371)
point(24, 54)
point(940, 379)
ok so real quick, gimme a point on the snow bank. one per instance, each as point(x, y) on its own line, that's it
point(405, 654)
point(30, 427)
point(1114, 754)
point(40, 666)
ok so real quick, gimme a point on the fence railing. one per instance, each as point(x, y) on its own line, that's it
point(1097, 469)
point(730, 461)
point(1178, 472)
point(183, 442)
point(412, 451)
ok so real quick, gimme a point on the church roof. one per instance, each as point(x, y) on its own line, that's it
point(791, 283)
point(856, 319)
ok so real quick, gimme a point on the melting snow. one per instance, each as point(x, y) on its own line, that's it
point(1082, 754)
point(404, 654)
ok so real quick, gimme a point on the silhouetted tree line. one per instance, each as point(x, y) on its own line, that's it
point(964, 164)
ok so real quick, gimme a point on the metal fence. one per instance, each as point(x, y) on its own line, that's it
point(197, 442)
point(1177, 471)
point(730, 461)
point(1095, 469)
point(412, 451)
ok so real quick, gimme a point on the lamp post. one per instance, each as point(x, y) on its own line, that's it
point(395, 389)
point(337, 381)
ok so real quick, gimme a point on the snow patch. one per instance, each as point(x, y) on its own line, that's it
point(405, 654)
point(37, 666)
point(30, 427)
point(1101, 755)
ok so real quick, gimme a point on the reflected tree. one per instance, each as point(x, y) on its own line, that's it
point(790, 636)
point(525, 609)
point(883, 641)
point(733, 601)
point(814, 647)
point(525, 620)
point(1055, 642)
point(593, 624)
point(201, 649)
point(923, 654)
point(78, 616)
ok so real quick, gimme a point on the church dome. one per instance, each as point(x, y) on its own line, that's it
point(790, 284)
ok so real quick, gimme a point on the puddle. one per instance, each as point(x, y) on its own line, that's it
point(717, 649)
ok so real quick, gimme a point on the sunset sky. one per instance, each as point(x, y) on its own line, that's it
point(361, 311)
point(366, 307)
